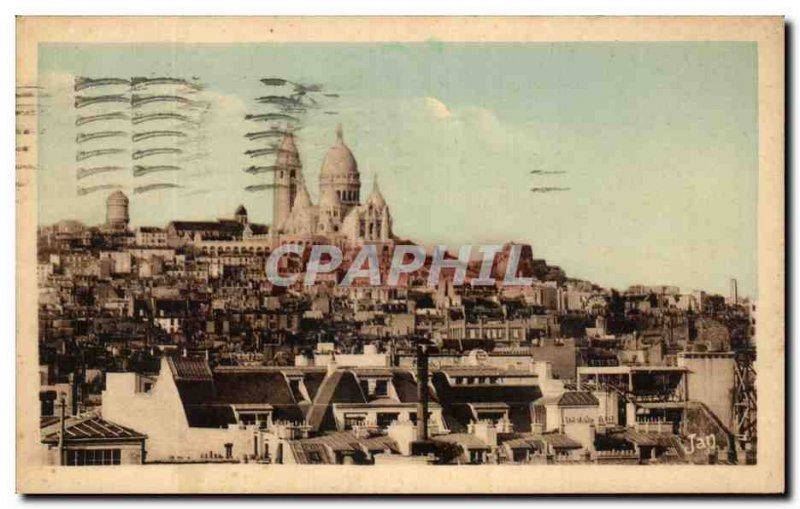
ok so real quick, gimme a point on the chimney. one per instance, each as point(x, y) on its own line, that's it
point(62, 455)
point(485, 431)
point(74, 380)
point(422, 393)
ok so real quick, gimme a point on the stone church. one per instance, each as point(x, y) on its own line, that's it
point(340, 217)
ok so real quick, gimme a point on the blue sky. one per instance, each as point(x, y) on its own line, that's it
point(657, 142)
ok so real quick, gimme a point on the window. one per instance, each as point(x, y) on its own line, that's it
point(314, 457)
point(381, 388)
point(491, 416)
point(260, 419)
point(476, 456)
point(520, 455)
point(83, 457)
point(351, 420)
point(385, 419)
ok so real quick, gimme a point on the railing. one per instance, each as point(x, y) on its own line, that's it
point(654, 425)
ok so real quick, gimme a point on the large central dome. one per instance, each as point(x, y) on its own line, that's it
point(339, 161)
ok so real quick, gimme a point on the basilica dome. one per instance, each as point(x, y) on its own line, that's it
point(339, 161)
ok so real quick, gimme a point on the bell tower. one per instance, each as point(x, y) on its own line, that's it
point(286, 178)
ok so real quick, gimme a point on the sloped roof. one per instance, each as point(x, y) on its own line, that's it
point(406, 387)
point(380, 443)
point(448, 394)
point(226, 226)
point(187, 368)
point(91, 428)
point(466, 440)
point(648, 438)
point(525, 441)
point(561, 441)
point(302, 453)
point(320, 404)
point(208, 397)
point(209, 416)
point(342, 441)
point(252, 387)
point(578, 398)
point(457, 416)
point(312, 380)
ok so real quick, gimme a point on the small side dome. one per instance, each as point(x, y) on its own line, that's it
point(241, 211)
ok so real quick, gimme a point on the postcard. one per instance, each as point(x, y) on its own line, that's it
point(400, 255)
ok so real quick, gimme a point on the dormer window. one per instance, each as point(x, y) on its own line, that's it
point(260, 419)
point(298, 389)
point(376, 387)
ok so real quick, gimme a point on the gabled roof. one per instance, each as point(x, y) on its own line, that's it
point(88, 429)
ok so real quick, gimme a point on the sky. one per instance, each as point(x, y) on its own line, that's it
point(655, 142)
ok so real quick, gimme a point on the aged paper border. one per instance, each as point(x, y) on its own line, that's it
point(765, 477)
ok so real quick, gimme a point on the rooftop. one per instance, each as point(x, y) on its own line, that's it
point(87, 428)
